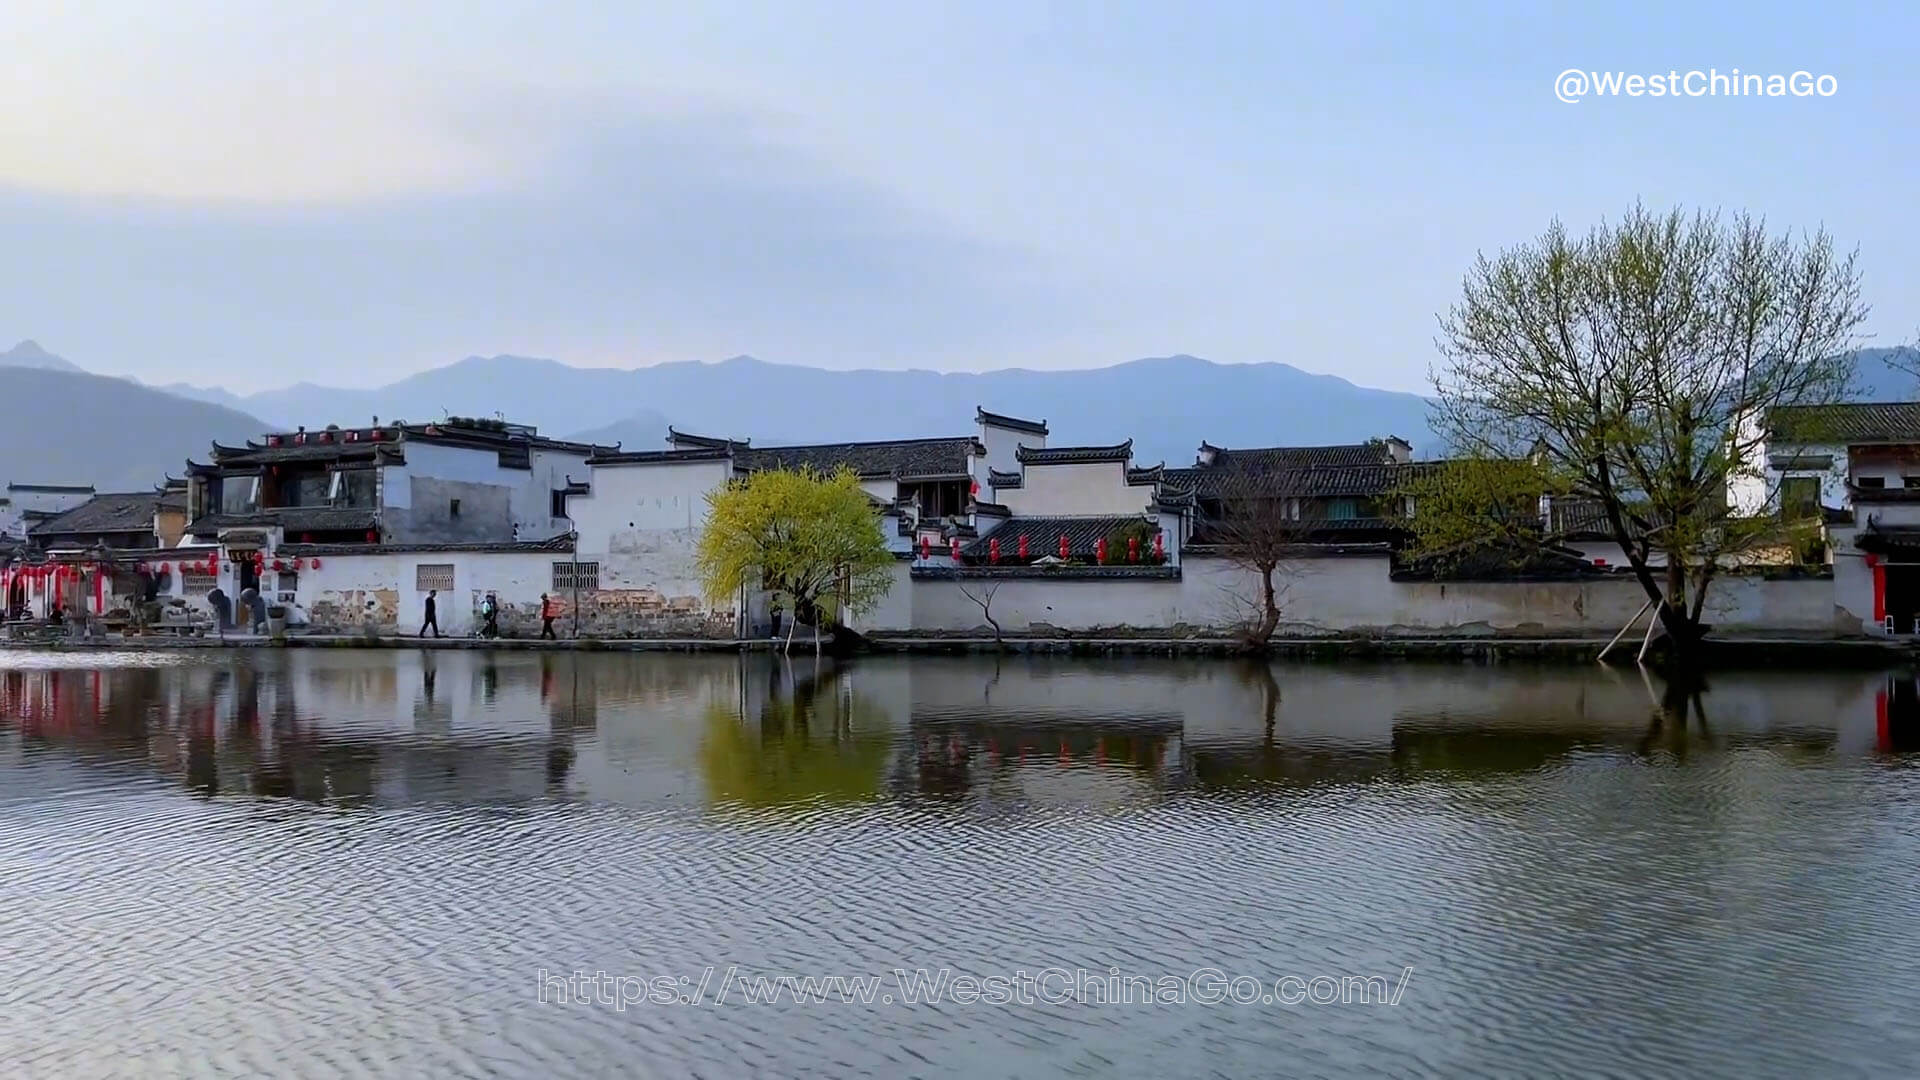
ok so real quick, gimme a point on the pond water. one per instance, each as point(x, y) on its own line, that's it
point(401, 864)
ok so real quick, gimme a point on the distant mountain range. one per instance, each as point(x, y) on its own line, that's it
point(63, 426)
point(29, 354)
point(1167, 405)
point(68, 426)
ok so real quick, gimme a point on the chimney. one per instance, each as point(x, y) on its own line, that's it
point(1399, 450)
point(1207, 453)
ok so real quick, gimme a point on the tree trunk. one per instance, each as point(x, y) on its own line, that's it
point(1269, 612)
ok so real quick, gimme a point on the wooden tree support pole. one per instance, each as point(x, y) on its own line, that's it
point(1623, 632)
point(1653, 624)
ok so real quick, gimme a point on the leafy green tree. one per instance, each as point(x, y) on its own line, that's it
point(1635, 368)
point(810, 538)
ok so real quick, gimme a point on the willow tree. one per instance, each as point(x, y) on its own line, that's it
point(1635, 368)
point(805, 536)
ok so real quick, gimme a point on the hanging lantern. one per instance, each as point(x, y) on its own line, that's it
point(1100, 551)
point(1023, 547)
point(1133, 549)
point(1064, 549)
point(956, 549)
point(926, 548)
point(278, 565)
point(299, 564)
point(316, 564)
point(1159, 545)
point(372, 537)
point(973, 488)
point(993, 551)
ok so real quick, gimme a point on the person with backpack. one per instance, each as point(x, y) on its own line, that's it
point(547, 614)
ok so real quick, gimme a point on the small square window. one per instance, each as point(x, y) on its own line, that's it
point(453, 508)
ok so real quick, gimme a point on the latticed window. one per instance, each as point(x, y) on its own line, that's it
point(194, 583)
point(433, 576)
point(568, 575)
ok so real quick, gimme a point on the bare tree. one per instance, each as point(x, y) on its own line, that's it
point(1260, 530)
point(984, 599)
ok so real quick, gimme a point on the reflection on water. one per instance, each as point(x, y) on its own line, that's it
point(358, 862)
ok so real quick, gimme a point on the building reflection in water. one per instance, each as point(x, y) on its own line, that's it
point(760, 731)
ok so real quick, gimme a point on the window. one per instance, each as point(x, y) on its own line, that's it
point(453, 508)
point(559, 507)
point(194, 583)
point(308, 490)
point(567, 574)
point(239, 494)
point(354, 487)
point(1341, 510)
point(433, 576)
point(1800, 496)
point(1865, 483)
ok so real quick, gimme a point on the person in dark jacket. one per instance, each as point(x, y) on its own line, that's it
point(547, 612)
point(433, 617)
point(490, 610)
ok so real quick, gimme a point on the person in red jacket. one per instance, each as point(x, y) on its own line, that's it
point(547, 613)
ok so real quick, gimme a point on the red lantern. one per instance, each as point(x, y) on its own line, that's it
point(1100, 551)
point(926, 548)
point(973, 488)
point(299, 564)
point(993, 551)
point(316, 564)
point(1133, 549)
point(1064, 549)
point(1159, 545)
point(1023, 547)
point(278, 565)
point(372, 537)
point(956, 549)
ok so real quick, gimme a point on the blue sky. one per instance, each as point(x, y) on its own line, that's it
point(350, 193)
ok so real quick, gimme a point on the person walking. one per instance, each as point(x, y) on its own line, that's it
point(433, 618)
point(547, 614)
point(490, 609)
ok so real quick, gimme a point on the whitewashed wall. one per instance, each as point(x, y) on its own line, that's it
point(336, 594)
point(642, 525)
point(1001, 444)
point(1349, 595)
point(1075, 490)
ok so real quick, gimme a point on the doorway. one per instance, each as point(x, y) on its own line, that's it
point(1903, 597)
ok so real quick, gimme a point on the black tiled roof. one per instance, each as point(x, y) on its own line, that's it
point(294, 519)
point(1296, 457)
point(1073, 455)
point(989, 508)
point(660, 457)
point(704, 442)
point(1240, 478)
point(998, 479)
point(105, 513)
point(54, 489)
point(871, 460)
point(1011, 423)
point(1889, 539)
point(1888, 422)
point(277, 455)
point(1043, 534)
point(1207, 534)
point(1151, 475)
